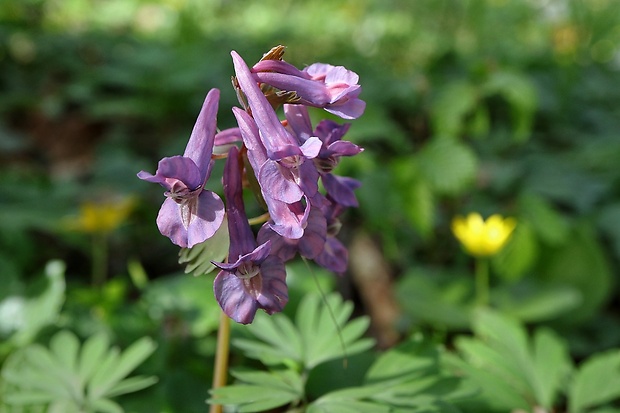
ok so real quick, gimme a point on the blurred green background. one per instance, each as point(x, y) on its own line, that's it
point(494, 106)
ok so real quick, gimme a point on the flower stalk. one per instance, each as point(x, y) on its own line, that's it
point(220, 370)
point(482, 282)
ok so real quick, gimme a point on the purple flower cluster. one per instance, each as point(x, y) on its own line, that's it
point(289, 159)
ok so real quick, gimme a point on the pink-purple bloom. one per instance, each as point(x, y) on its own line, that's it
point(287, 175)
point(252, 279)
point(281, 162)
point(190, 214)
point(288, 219)
point(332, 149)
point(333, 88)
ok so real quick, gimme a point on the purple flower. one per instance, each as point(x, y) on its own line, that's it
point(309, 245)
point(334, 256)
point(252, 278)
point(333, 88)
point(332, 149)
point(286, 175)
point(190, 214)
point(289, 220)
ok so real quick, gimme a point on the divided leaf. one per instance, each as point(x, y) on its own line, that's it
point(260, 391)
point(596, 382)
point(70, 378)
point(322, 333)
point(511, 370)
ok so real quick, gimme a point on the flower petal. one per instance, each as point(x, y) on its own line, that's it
point(277, 185)
point(274, 292)
point(334, 256)
point(208, 218)
point(200, 144)
point(233, 298)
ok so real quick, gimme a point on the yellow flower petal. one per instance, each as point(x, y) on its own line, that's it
point(483, 238)
point(101, 217)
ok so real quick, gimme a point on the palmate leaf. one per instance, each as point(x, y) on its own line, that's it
point(68, 378)
point(511, 369)
point(409, 377)
point(321, 333)
point(120, 366)
point(596, 382)
point(259, 391)
point(25, 316)
point(354, 399)
point(198, 259)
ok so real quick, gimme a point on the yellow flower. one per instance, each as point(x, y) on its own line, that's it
point(483, 238)
point(101, 217)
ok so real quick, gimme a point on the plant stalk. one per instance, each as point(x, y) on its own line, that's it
point(99, 271)
point(220, 371)
point(482, 282)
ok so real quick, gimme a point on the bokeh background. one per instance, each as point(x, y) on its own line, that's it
point(494, 106)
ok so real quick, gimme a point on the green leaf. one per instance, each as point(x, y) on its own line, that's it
point(265, 391)
point(191, 298)
point(61, 375)
point(132, 357)
point(92, 355)
point(26, 397)
point(496, 394)
point(330, 405)
point(440, 299)
point(101, 378)
point(596, 382)
point(278, 339)
point(411, 359)
point(131, 385)
point(507, 336)
point(420, 206)
point(198, 259)
point(349, 400)
point(106, 406)
point(322, 333)
point(449, 167)
point(552, 365)
point(533, 301)
point(519, 255)
point(510, 368)
point(546, 221)
point(452, 103)
point(279, 379)
point(36, 312)
point(480, 123)
point(582, 264)
point(520, 93)
point(65, 347)
point(42, 364)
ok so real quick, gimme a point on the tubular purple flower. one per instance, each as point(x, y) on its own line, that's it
point(286, 176)
point(309, 245)
point(334, 256)
point(289, 220)
point(333, 88)
point(190, 214)
point(333, 148)
point(252, 279)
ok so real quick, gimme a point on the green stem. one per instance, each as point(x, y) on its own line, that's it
point(99, 259)
point(482, 282)
point(220, 371)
